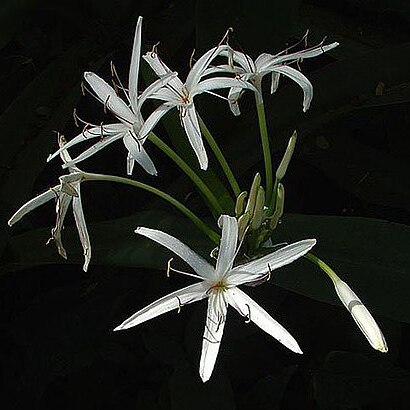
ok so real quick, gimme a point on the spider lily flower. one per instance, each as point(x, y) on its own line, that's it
point(360, 314)
point(219, 285)
point(181, 95)
point(254, 71)
point(127, 112)
point(66, 192)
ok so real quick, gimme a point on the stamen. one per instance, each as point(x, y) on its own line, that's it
point(169, 266)
point(179, 304)
point(217, 95)
point(248, 316)
point(115, 74)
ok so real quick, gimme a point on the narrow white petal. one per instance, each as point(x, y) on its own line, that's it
point(152, 120)
point(227, 245)
point(255, 313)
point(82, 229)
point(242, 59)
point(157, 88)
point(198, 69)
point(197, 263)
point(62, 206)
point(223, 68)
point(37, 201)
point(98, 146)
point(361, 316)
point(237, 278)
point(130, 164)
point(109, 98)
point(221, 82)
point(233, 99)
point(274, 82)
point(167, 303)
point(161, 69)
point(191, 126)
point(302, 80)
point(214, 328)
point(135, 65)
point(138, 153)
point(279, 258)
point(94, 132)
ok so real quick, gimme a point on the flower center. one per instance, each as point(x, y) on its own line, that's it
point(219, 286)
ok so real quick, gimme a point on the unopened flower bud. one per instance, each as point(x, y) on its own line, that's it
point(279, 208)
point(283, 166)
point(240, 203)
point(253, 194)
point(361, 315)
point(258, 212)
point(243, 222)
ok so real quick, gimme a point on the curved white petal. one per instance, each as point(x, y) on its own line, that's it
point(82, 228)
point(94, 132)
point(154, 88)
point(249, 308)
point(98, 146)
point(138, 153)
point(361, 316)
point(161, 69)
point(233, 100)
point(169, 302)
point(227, 245)
point(214, 328)
point(198, 69)
point(193, 131)
point(135, 66)
point(62, 205)
point(221, 82)
point(152, 120)
point(109, 98)
point(302, 80)
point(274, 82)
point(35, 202)
point(242, 59)
point(279, 258)
point(197, 263)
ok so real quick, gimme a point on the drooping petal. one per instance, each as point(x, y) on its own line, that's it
point(153, 119)
point(227, 245)
point(135, 66)
point(302, 80)
point(198, 69)
point(274, 82)
point(191, 126)
point(169, 302)
point(197, 263)
point(361, 316)
point(138, 153)
point(37, 201)
point(161, 69)
point(94, 132)
point(130, 164)
point(221, 82)
point(279, 258)
point(214, 328)
point(62, 205)
point(247, 307)
point(98, 146)
point(233, 99)
point(82, 228)
point(109, 98)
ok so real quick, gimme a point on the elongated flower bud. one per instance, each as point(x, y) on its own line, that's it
point(283, 166)
point(253, 194)
point(240, 204)
point(243, 223)
point(279, 208)
point(361, 315)
point(258, 212)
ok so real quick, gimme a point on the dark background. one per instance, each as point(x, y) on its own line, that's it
point(351, 168)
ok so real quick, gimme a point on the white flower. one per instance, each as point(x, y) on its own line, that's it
point(67, 191)
point(181, 95)
point(128, 113)
point(277, 64)
point(360, 314)
point(219, 285)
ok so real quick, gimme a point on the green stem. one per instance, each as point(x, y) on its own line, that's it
point(212, 235)
point(322, 265)
point(220, 157)
point(213, 202)
point(265, 147)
